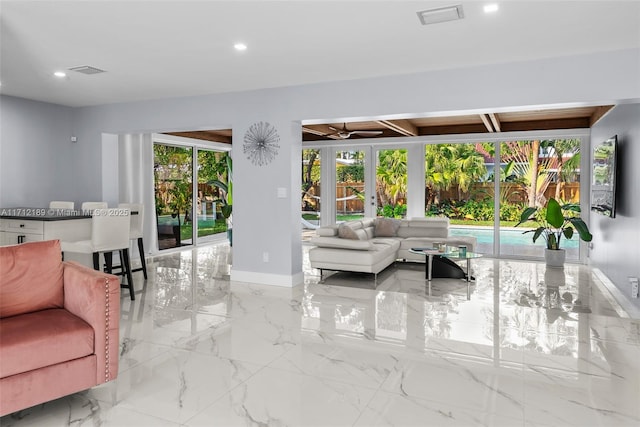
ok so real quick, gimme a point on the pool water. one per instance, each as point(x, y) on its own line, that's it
point(507, 237)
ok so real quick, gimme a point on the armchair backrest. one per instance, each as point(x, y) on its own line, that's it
point(30, 277)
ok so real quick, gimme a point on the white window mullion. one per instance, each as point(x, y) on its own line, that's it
point(370, 164)
point(327, 186)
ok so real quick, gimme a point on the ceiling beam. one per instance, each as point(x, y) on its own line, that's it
point(321, 130)
point(203, 136)
point(495, 121)
point(599, 113)
point(403, 127)
point(487, 123)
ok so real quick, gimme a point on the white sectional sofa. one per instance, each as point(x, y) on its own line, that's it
point(372, 244)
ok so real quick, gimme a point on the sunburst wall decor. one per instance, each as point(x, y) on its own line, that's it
point(261, 143)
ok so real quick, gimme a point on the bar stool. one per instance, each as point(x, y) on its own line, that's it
point(89, 206)
point(109, 232)
point(57, 204)
point(136, 231)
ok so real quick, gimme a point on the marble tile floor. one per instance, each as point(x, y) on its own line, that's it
point(531, 347)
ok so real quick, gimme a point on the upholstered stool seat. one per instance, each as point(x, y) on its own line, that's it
point(109, 233)
point(58, 204)
point(136, 231)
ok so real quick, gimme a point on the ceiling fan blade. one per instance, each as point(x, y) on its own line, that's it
point(366, 132)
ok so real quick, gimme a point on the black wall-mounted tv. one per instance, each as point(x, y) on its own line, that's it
point(603, 177)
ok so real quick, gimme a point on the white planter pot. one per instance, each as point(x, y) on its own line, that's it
point(554, 258)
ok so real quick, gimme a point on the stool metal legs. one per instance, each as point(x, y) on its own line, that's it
point(144, 262)
point(126, 267)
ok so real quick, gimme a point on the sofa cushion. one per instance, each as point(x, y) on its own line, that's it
point(376, 254)
point(352, 230)
point(42, 338)
point(30, 277)
point(338, 243)
point(392, 242)
point(386, 227)
point(327, 231)
point(424, 227)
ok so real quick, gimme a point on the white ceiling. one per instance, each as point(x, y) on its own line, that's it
point(161, 49)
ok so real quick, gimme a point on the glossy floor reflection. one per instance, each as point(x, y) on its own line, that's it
point(531, 347)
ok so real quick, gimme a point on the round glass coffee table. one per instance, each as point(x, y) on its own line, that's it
point(428, 253)
point(450, 252)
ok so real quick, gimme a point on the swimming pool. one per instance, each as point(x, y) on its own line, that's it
point(507, 236)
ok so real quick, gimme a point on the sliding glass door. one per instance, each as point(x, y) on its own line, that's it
point(532, 172)
point(182, 215)
point(459, 185)
point(173, 183)
point(481, 186)
point(213, 190)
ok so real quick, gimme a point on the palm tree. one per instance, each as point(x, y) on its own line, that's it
point(470, 165)
point(451, 164)
point(391, 176)
point(562, 147)
point(535, 172)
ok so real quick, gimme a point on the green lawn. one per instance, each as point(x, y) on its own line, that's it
point(206, 227)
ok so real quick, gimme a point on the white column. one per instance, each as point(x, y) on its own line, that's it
point(415, 181)
point(267, 228)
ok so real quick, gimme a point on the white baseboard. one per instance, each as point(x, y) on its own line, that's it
point(622, 306)
point(283, 280)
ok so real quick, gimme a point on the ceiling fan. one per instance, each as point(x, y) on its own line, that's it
point(345, 133)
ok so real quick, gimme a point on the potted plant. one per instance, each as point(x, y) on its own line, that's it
point(554, 222)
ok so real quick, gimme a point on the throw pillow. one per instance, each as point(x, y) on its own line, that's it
point(386, 227)
point(346, 232)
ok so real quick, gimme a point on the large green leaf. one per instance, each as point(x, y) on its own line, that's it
point(582, 229)
point(526, 215)
point(554, 213)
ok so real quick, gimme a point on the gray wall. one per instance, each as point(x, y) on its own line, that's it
point(36, 154)
point(264, 222)
point(616, 241)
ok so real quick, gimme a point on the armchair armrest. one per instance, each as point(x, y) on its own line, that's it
point(94, 297)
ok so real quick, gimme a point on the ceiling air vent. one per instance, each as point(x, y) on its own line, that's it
point(85, 69)
point(441, 14)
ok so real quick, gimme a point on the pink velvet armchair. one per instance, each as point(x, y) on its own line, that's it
point(58, 326)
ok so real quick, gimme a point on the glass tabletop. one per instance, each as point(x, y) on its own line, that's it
point(457, 255)
point(450, 252)
point(425, 251)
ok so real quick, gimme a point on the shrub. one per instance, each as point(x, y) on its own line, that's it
point(475, 210)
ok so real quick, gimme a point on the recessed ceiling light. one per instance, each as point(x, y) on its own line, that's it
point(240, 46)
point(60, 74)
point(490, 8)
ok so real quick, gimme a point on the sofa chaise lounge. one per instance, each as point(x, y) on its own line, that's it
point(372, 244)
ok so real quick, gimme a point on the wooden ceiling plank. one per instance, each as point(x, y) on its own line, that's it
point(495, 121)
point(403, 127)
point(203, 136)
point(487, 123)
point(321, 130)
